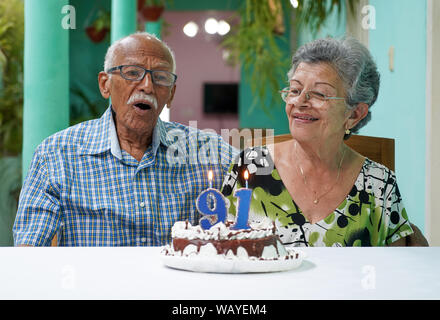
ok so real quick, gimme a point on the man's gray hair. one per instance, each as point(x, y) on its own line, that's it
point(109, 56)
point(354, 64)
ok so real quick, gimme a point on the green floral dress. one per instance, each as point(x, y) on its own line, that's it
point(371, 215)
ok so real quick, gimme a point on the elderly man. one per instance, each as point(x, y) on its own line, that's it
point(123, 179)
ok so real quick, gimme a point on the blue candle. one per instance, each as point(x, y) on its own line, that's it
point(203, 204)
point(244, 196)
point(212, 203)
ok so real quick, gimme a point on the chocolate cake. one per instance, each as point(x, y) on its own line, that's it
point(260, 242)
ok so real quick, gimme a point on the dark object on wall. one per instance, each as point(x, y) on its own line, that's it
point(100, 26)
point(220, 98)
point(152, 13)
point(151, 10)
point(95, 35)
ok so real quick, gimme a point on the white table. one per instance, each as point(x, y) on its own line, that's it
point(138, 273)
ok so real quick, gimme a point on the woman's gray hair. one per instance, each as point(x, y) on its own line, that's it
point(109, 56)
point(354, 64)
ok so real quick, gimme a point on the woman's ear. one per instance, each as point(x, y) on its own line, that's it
point(357, 114)
point(104, 84)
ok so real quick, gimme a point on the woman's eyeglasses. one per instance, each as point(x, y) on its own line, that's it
point(315, 97)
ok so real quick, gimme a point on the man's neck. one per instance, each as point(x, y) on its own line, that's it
point(133, 142)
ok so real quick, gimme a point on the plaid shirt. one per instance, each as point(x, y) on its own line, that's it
point(84, 188)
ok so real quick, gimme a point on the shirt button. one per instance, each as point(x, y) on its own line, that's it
point(143, 239)
point(142, 204)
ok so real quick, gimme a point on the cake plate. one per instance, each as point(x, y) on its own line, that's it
point(220, 264)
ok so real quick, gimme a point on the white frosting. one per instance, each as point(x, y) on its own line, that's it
point(259, 229)
point(269, 252)
point(184, 229)
point(189, 250)
point(208, 250)
point(242, 253)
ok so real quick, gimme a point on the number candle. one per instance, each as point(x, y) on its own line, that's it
point(244, 202)
point(219, 208)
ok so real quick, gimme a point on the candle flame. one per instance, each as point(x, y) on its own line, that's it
point(246, 175)
point(210, 175)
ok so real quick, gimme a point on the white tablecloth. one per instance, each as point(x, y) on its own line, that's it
point(138, 273)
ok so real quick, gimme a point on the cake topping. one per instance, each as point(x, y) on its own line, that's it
point(221, 231)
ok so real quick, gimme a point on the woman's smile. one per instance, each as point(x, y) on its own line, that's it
point(304, 118)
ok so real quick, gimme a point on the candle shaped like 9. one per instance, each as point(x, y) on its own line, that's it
point(219, 207)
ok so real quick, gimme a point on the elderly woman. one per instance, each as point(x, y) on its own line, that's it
point(318, 190)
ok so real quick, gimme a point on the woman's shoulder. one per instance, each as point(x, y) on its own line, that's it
point(376, 175)
point(376, 168)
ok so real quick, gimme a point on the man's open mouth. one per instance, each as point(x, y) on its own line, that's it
point(143, 106)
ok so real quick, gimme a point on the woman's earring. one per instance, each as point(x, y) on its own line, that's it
point(347, 131)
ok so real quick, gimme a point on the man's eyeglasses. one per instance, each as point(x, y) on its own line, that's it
point(137, 73)
point(316, 98)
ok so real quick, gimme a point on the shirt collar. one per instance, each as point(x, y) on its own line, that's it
point(102, 136)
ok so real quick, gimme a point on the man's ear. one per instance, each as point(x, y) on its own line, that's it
point(357, 114)
point(173, 90)
point(104, 84)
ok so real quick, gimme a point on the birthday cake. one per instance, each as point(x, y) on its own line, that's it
point(259, 243)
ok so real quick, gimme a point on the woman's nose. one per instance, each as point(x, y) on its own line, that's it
point(300, 101)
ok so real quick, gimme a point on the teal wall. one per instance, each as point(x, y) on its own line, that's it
point(334, 26)
point(186, 5)
point(273, 116)
point(45, 75)
point(86, 61)
point(399, 112)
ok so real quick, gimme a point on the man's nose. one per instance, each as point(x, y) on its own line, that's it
point(147, 83)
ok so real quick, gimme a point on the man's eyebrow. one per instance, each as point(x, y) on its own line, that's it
point(155, 66)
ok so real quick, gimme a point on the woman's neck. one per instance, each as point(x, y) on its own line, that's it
point(317, 156)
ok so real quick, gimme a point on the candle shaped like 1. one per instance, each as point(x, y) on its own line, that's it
point(244, 202)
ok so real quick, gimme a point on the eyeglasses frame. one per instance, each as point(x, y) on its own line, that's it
point(326, 98)
point(145, 73)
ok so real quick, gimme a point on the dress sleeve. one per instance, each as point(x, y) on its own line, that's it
point(38, 210)
point(398, 225)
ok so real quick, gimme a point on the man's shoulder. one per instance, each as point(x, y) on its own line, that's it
point(68, 139)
